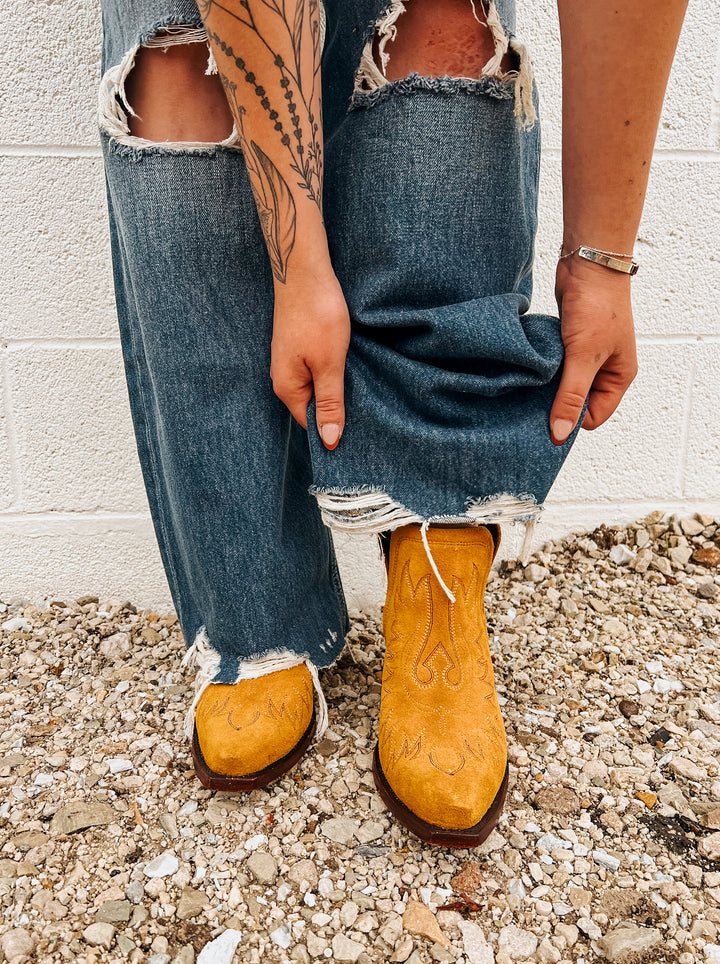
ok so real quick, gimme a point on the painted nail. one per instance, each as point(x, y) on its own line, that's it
point(561, 428)
point(330, 434)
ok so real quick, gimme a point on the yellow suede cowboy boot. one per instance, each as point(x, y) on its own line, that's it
point(249, 733)
point(441, 760)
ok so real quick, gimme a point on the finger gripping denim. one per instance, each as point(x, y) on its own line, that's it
point(430, 206)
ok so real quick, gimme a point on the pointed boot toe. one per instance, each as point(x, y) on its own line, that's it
point(249, 733)
point(441, 760)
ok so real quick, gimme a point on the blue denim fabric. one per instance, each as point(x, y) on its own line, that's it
point(431, 189)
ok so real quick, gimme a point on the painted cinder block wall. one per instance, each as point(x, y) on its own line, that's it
point(73, 512)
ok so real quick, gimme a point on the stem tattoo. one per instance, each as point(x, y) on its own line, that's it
point(296, 121)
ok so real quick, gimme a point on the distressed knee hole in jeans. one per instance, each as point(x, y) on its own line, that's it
point(141, 104)
point(185, 126)
point(508, 62)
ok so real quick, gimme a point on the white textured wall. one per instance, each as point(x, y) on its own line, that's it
point(73, 514)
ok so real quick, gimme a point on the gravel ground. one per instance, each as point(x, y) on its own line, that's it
point(605, 650)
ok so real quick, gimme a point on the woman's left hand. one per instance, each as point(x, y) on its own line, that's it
point(599, 338)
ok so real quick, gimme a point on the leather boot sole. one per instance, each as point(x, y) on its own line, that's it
point(428, 832)
point(250, 781)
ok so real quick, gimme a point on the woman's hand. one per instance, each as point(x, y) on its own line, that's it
point(311, 334)
point(599, 339)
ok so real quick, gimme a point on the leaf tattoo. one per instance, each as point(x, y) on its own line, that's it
point(277, 211)
point(274, 202)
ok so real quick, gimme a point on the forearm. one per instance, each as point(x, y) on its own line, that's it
point(616, 60)
point(268, 56)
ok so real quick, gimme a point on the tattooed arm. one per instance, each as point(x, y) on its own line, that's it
point(268, 56)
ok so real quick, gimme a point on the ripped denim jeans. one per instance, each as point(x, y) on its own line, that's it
point(430, 206)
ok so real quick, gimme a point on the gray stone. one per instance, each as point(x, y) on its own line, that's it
point(17, 945)
point(80, 815)
point(135, 891)
point(169, 825)
point(341, 830)
point(627, 939)
point(159, 959)
point(442, 955)
point(191, 903)
point(346, 950)
point(99, 935)
point(262, 866)
point(113, 911)
point(125, 944)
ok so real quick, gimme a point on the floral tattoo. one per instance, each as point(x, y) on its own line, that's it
point(296, 121)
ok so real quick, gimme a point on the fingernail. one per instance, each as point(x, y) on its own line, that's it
point(330, 434)
point(561, 428)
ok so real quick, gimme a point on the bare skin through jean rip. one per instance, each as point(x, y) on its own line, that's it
point(457, 39)
point(173, 96)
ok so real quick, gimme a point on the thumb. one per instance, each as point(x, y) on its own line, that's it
point(575, 383)
point(329, 405)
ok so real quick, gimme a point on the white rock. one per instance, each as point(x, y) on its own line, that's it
point(12, 625)
point(252, 843)
point(475, 945)
point(550, 842)
point(589, 927)
point(222, 949)
point(346, 950)
point(535, 573)
point(665, 686)
point(340, 829)
point(627, 939)
point(281, 936)
point(710, 846)
point(99, 935)
point(686, 768)
point(119, 765)
point(349, 913)
point(17, 945)
point(604, 859)
point(187, 808)
point(712, 953)
point(117, 645)
point(621, 555)
point(517, 943)
point(164, 865)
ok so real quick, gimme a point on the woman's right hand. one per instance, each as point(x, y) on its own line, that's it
point(311, 335)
